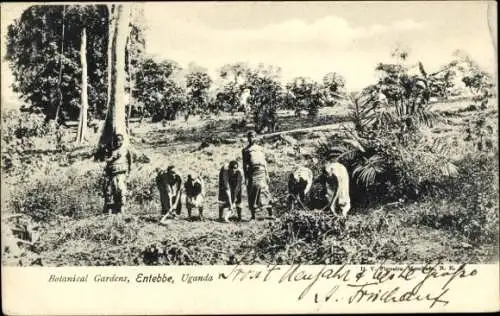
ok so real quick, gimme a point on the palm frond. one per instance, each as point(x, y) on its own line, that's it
point(350, 155)
point(366, 173)
point(427, 117)
point(422, 70)
point(354, 143)
point(338, 150)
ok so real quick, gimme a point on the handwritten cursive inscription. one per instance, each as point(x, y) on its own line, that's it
point(383, 284)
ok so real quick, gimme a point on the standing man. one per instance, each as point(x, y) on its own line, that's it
point(118, 164)
point(170, 186)
point(195, 194)
point(256, 176)
point(230, 183)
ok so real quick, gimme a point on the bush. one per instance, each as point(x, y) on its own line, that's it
point(415, 170)
point(142, 187)
point(75, 194)
point(320, 238)
point(25, 135)
point(388, 167)
point(473, 213)
point(48, 197)
point(213, 248)
point(19, 128)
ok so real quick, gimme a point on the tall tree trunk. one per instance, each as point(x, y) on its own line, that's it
point(58, 109)
point(115, 117)
point(82, 124)
point(111, 30)
point(131, 78)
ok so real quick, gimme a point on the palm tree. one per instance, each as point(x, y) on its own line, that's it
point(377, 139)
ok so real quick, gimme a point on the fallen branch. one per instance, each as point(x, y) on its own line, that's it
point(327, 127)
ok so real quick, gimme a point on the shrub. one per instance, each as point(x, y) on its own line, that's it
point(213, 248)
point(387, 167)
point(76, 193)
point(417, 169)
point(114, 230)
point(389, 150)
point(25, 135)
point(474, 194)
point(315, 237)
point(54, 195)
point(142, 187)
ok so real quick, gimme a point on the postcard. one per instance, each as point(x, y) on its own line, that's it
point(249, 157)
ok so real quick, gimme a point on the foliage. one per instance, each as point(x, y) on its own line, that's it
point(21, 132)
point(52, 196)
point(304, 94)
point(234, 82)
point(480, 133)
point(402, 95)
point(479, 82)
point(37, 52)
point(18, 128)
point(472, 212)
point(407, 96)
point(198, 84)
point(156, 88)
point(303, 237)
point(388, 148)
point(265, 97)
point(142, 186)
point(333, 88)
point(34, 54)
point(454, 220)
point(387, 153)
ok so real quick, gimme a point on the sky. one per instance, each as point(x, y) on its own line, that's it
point(311, 38)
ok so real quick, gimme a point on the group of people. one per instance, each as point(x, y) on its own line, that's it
point(253, 173)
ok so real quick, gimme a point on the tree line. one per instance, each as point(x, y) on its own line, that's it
point(59, 58)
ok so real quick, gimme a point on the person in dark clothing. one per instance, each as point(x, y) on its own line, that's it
point(230, 182)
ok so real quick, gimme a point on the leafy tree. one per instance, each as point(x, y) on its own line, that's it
point(389, 117)
point(442, 82)
point(34, 43)
point(265, 96)
point(384, 158)
point(479, 82)
point(333, 87)
point(198, 84)
point(304, 94)
point(227, 98)
point(408, 94)
point(46, 62)
point(235, 81)
point(162, 96)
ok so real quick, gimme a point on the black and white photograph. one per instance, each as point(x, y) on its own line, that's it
point(249, 133)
